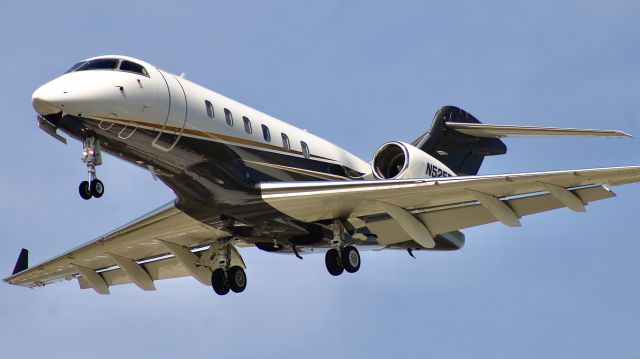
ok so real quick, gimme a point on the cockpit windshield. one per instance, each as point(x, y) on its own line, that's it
point(133, 67)
point(99, 64)
point(109, 64)
point(75, 67)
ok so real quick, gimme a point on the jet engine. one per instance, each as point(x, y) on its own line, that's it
point(399, 160)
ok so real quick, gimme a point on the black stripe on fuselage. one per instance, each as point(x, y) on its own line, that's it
point(209, 177)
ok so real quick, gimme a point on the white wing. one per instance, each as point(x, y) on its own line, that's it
point(422, 208)
point(160, 245)
point(139, 252)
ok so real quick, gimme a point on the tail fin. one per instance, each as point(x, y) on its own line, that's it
point(460, 152)
point(461, 142)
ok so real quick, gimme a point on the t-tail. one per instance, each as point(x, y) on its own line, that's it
point(461, 142)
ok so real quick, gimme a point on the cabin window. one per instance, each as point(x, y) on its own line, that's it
point(228, 117)
point(247, 125)
point(266, 134)
point(99, 64)
point(133, 67)
point(285, 141)
point(209, 107)
point(305, 149)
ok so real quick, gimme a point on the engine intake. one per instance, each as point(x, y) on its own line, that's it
point(390, 160)
point(399, 160)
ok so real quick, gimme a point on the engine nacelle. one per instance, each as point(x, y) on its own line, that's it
point(399, 160)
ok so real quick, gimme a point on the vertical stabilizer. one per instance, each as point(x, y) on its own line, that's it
point(460, 152)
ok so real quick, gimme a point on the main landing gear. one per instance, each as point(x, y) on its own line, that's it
point(92, 157)
point(234, 279)
point(226, 277)
point(341, 258)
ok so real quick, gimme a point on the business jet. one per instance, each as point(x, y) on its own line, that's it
point(245, 179)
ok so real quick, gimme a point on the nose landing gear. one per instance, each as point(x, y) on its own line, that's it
point(92, 157)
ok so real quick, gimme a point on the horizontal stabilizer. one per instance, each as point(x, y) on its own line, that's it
point(22, 263)
point(497, 131)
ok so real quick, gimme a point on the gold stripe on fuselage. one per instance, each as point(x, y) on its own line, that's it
point(210, 135)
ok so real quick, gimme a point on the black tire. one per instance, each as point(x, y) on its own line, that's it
point(219, 282)
point(332, 260)
point(237, 279)
point(97, 188)
point(350, 259)
point(85, 190)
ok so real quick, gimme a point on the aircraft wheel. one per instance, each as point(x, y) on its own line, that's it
point(332, 260)
point(237, 279)
point(350, 259)
point(97, 188)
point(85, 190)
point(219, 282)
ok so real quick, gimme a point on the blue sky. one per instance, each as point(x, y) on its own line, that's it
point(564, 285)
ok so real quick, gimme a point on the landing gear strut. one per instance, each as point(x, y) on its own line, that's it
point(226, 277)
point(92, 157)
point(341, 258)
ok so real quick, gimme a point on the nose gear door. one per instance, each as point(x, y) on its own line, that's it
point(176, 114)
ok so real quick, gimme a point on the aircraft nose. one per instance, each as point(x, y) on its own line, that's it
point(48, 99)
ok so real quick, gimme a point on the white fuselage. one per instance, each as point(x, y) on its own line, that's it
point(178, 106)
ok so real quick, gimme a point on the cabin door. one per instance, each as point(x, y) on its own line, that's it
point(176, 119)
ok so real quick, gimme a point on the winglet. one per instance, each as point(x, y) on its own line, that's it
point(22, 263)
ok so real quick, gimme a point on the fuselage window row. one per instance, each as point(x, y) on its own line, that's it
point(266, 134)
